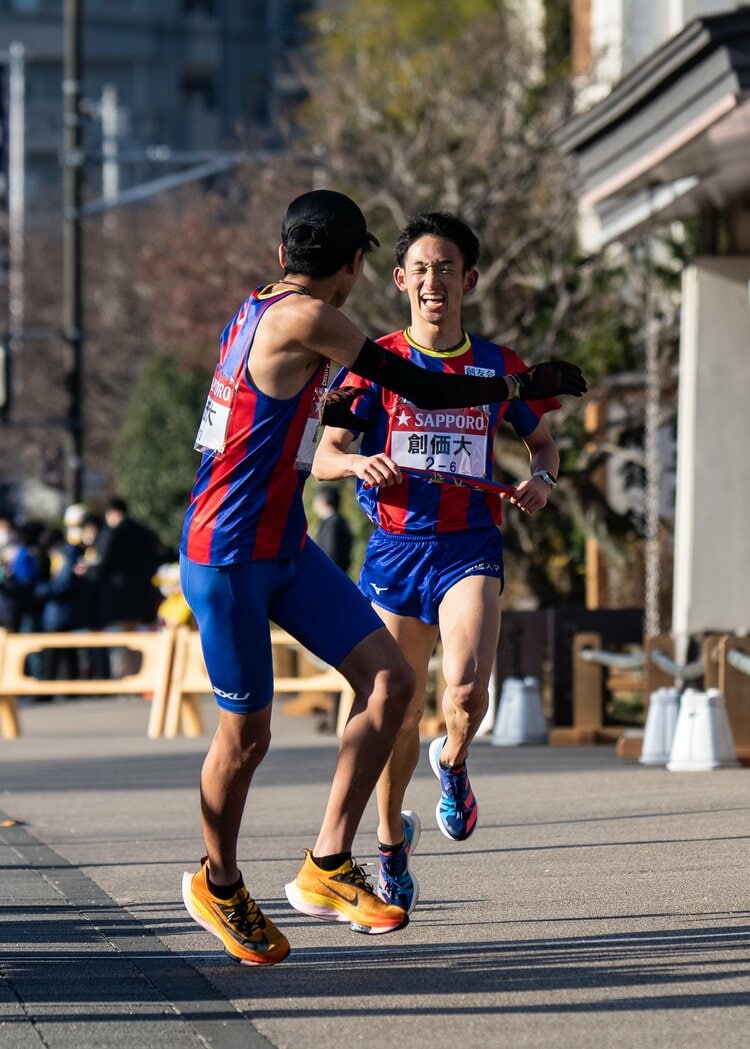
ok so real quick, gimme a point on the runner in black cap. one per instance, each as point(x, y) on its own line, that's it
point(327, 219)
point(246, 558)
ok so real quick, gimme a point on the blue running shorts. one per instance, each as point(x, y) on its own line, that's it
point(410, 575)
point(307, 595)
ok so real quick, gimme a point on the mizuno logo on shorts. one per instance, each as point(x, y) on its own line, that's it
point(231, 695)
point(378, 589)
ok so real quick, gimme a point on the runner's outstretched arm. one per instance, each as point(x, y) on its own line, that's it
point(437, 390)
point(325, 331)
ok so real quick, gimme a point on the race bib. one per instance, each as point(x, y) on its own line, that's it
point(452, 441)
point(313, 429)
point(214, 424)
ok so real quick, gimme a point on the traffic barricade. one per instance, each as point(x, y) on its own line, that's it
point(150, 679)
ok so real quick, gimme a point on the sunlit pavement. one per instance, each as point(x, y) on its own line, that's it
point(599, 903)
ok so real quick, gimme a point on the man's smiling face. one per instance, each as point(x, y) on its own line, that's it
point(434, 278)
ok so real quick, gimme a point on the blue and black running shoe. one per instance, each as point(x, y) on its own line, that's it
point(396, 884)
point(457, 810)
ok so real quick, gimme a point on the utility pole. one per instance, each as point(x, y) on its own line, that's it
point(16, 192)
point(110, 129)
point(72, 162)
point(14, 177)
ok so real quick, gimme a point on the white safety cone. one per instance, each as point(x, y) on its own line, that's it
point(487, 724)
point(661, 722)
point(702, 738)
point(520, 718)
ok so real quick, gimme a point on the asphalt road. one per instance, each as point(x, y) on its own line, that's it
point(600, 903)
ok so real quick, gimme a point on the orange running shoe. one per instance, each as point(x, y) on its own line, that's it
point(343, 895)
point(248, 936)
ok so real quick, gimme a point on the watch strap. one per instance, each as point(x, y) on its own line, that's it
point(549, 479)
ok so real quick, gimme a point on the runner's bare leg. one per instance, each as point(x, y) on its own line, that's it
point(238, 747)
point(417, 641)
point(470, 629)
point(383, 684)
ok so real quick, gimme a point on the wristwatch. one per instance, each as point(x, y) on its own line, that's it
point(547, 477)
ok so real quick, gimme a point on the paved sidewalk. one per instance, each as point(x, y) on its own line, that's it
point(600, 903)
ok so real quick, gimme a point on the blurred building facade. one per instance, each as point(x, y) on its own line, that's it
point(663, 136)
point(165, 86)
point(184, 75)
point(610, 37)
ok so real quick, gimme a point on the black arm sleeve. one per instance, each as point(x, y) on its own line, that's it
point(423, 388)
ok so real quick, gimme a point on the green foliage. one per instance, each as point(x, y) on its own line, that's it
point(389, 24)
point(456, 106)
point(557, 15)
point(452, 105)
point(153, 459)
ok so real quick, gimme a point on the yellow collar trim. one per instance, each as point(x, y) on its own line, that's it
point(454, 351)
point(265, 293)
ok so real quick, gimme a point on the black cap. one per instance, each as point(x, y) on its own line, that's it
point(324, 215)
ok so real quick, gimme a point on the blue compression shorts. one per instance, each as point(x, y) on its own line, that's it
point(308, 596)
point(410, 575)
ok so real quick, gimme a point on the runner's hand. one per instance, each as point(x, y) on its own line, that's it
point(337, 410)
point(549, 379)
point(377, 471)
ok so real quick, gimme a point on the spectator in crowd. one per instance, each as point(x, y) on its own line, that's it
point(24, 566)
point(173, 609)
point(127, 598)
point(94, 661)
point(8, 543)
point(128, 559)
point(59, 598)
point(87, 571)
point(6, 534)
point(334, 536)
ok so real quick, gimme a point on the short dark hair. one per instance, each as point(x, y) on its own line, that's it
point(330, 495)
point(321, 232)
point(118, 504)
point(439, 224)
point(90, 519)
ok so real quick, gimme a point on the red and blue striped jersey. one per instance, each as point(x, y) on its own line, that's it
point(459, 440)
point(246, 503)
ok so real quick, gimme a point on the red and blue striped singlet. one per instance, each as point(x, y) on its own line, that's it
point(459, 440)
point(246, 503)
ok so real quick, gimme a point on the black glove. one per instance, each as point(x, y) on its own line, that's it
point(337, 410)
point(549, 379)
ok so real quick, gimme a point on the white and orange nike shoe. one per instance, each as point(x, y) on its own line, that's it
point(342, 895)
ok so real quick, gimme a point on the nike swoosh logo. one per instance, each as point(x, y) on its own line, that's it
point(378, 589)
point(353, 900)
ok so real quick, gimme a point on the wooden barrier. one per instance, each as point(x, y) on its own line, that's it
point(155, 648)
point(189, 679)
point(711, 659)
point(590, 679)
point(588, 696)
point(172, 672)
point(734, 686)
point(187, 682)
point(655, 676)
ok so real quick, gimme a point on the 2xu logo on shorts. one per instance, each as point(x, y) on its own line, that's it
point(231, 695)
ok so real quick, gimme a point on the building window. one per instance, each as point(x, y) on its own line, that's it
point(199, 7)
point(198, 88)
